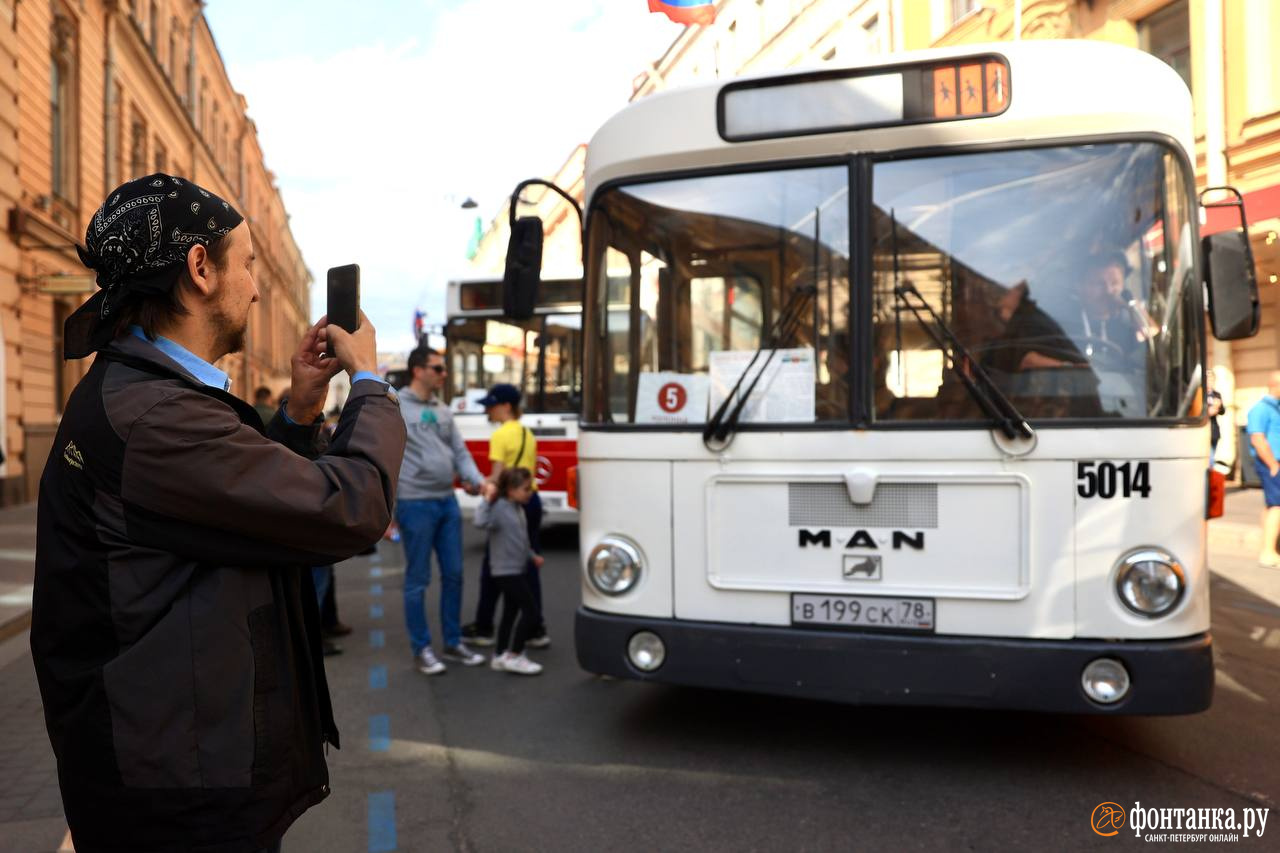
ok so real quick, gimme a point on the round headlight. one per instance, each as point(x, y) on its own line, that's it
point(614, 565)
point(646, 651)
point(1150, 582)
point(1105, 681)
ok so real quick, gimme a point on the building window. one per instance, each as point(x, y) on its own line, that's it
point(153, 28)
point(1167, 35)
point(961, 8)
point(162, 157)
point(62, 108)
point(173, 52)
point(137, 147)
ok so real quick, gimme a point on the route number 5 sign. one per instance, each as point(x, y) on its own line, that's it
point(671, 398)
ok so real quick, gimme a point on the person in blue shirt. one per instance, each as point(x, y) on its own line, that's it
point(1264, 442)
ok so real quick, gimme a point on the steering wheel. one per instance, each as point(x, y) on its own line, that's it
point(1104, 354)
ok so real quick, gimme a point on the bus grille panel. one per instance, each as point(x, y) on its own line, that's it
point(906, 505)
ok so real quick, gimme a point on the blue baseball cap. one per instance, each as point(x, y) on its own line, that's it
point(501, 393)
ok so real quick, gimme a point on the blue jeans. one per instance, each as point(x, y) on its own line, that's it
point(426, 525)
point(321, 576)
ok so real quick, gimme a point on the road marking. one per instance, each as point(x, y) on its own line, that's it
point(375, 557)
point(377, 638)
point(382, 821)
point(375, 611)
point(375, 572)
point(16, 596)
point(377, 677)
point(379, 733)
point(376, 589)
point(18, 555)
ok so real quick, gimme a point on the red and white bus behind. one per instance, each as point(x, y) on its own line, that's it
point(541, 356)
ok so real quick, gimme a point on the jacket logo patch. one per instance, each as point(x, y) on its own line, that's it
point(72, 455)
point(428, 417)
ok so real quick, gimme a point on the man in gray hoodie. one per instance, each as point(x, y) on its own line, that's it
point(428, 513)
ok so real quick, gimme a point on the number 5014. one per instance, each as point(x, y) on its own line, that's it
point(1107, 480)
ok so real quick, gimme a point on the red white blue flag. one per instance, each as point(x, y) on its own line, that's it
point(686, 11)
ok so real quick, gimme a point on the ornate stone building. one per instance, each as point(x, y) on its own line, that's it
point(97, 92)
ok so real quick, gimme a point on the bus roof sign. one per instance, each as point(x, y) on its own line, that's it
point(832, 101)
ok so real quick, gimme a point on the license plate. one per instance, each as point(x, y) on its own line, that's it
point(862, 611)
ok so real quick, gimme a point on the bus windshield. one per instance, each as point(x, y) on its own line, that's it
point(540, 356)
point(1067, 273)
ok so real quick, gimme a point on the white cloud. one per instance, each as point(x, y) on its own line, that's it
point(376, 145)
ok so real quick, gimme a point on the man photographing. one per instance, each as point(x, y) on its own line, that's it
point(174, 629)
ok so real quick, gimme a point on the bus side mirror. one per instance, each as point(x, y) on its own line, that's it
point(524, 268)
point(1234, 308)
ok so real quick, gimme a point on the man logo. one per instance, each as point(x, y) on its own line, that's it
point(857, 567)
point(1108, 819)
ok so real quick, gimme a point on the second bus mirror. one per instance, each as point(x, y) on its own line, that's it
point(524, 266)
point(1234, 308)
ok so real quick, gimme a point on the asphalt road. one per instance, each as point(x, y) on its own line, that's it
point(479, 760)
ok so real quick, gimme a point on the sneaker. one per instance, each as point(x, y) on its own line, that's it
point(521, 665)
point(428, 663)
point(337, 629)
point(499, 662)
point(541, 641)
point(476, 637)
point(462, 655)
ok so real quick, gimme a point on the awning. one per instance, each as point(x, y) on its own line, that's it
point(1259, 205)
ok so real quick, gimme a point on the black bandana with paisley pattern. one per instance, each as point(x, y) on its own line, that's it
point(137, 243)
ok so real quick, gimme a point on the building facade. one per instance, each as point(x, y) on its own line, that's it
point(95, 93)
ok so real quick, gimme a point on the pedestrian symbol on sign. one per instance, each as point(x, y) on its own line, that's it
point(672, 397)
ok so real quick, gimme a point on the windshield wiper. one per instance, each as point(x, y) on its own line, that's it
point(718, 433)
point(988, 395)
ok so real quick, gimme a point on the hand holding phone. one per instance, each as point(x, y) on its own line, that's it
point(344, 299)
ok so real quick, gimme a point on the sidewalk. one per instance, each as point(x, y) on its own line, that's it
point(17, 567)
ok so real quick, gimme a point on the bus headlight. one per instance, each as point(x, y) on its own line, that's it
point(614, 566)
point(1150, 582)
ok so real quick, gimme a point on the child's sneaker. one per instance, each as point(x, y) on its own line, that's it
point(521, 665)
point(428, 663)
point(541, 641)
point(499, 662)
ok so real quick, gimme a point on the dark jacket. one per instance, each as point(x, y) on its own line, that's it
point(175, 629)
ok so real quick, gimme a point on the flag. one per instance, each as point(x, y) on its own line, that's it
point(686, 11)
point(419, 321)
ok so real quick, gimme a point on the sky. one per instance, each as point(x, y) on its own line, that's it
point(379, 118)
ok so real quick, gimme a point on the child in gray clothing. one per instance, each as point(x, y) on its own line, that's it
point(502, 514)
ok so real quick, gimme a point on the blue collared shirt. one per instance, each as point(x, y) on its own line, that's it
point(190, 362)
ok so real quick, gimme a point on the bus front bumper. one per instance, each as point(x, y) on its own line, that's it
point(1167, 676)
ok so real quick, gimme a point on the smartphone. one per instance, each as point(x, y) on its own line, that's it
point(344, 298)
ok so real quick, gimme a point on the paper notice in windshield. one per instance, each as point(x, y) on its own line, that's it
point(784, 394)
point(671, 398)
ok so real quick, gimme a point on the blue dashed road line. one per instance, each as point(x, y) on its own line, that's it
point(379, 733)
point(377, 638)
point(377, 677)
point(375, 611)
point(376, 589)
point(382, 822)
point(375, 572)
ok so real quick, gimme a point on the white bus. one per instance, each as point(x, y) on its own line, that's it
point(955, 303)
point(542, 356)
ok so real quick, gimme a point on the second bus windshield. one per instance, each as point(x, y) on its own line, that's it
point(539, 356)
